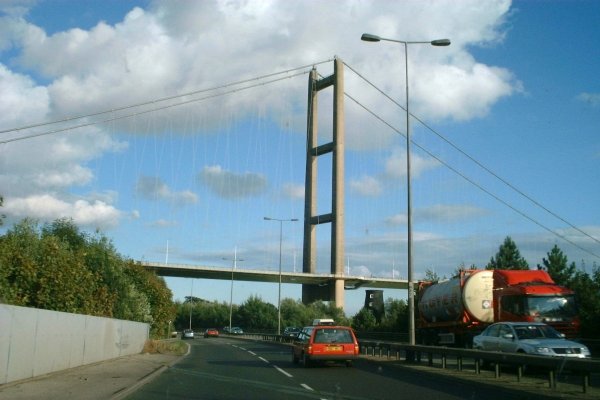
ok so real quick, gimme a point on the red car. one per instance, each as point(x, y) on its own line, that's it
point(211, 332)
point(325, 343)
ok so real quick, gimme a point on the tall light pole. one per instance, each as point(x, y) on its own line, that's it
point(367, 37)
point(281, 221)
point(233, 267)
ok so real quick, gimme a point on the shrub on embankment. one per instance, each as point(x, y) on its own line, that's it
point(58, 267)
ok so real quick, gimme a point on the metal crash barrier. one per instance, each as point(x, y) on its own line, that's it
point(552, 365)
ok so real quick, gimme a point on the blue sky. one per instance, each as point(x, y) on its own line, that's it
point(517, 91)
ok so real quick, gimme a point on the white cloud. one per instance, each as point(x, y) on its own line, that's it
point(153, 188)
point(232, 185)
point(449, 213)
point(27, 101)
point(398, 219)
point(96, 214)
point(366, 186)
point(165, 50)
point(293, 191)
point(395, 164)
point(593, 99)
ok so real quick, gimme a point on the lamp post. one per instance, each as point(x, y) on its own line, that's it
point(233, 267)
point(367, 37)
point(281, 221)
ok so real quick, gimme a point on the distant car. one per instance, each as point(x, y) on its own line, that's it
point(236, 330)
point(211, 332)
point(325, 343)
point(528, 337)
point(187, 334)
point(291, 331)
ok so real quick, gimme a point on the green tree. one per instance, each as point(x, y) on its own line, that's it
point(432, 276)
point(507, 257)
point(294, 313)
point(396, 316)
point(364, 320)
point(556, 266)
point(2, 216)
point(587, 290)
point(255, 314)
point(19, 254)
point(61, 268)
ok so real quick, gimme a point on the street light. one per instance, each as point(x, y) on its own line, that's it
point(233, 267)
point(367, 37)
point(281, 221)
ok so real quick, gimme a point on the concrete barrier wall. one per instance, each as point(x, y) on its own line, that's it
point(35, 342)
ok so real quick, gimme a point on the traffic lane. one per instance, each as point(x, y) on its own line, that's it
point(222, 369)
point(376, 380)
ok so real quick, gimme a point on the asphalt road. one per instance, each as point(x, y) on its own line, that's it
point(227, 368)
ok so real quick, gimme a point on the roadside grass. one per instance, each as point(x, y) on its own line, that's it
point(176, 347)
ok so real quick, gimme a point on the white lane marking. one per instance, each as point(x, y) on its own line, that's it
point(251, 352)
point(305, 386)
point(242, 348)
point(265, 360)
point(283, 372)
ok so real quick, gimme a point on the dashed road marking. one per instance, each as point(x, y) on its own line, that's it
point(305, 386)
point(251, 352)
point(264, 359)
point(283, 372)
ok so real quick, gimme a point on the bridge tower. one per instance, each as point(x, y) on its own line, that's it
point(334, 289)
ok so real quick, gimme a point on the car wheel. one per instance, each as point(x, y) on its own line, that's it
point(295, 359)
point(348, 363)
point(306, 361)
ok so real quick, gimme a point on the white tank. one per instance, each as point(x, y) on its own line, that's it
point(444, 301)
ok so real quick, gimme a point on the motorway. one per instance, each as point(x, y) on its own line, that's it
point(228, 368)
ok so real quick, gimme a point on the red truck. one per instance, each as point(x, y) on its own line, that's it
point(453, 311)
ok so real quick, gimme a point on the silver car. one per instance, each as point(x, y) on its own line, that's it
point(528, 337)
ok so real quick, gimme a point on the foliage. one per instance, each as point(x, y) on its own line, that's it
point(508, 257)
point(57, 267)
point(2, 216)
point(556, 266)
point(254, 315)
point(364, 321)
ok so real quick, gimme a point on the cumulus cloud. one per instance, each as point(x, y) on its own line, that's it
point(96, 214)
point(593, 99)
point(395, 164)
point(449, 213)
point(366, 186)
point(231, 185)
point(441, 213)
point(293, 191)
point(164, 50)
point(153, 188)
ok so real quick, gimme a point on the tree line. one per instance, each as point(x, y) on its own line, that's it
point(57, 267)
point(586, 285)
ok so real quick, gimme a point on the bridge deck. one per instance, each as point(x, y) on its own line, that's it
point(257, 275)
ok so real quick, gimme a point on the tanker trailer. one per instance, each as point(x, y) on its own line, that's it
point(453, 311)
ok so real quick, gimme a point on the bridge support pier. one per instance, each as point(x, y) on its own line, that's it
point(334, 290)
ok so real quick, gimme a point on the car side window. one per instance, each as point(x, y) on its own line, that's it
point(505, 330)
point(493, 330)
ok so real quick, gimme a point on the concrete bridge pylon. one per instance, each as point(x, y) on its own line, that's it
point(334, 289)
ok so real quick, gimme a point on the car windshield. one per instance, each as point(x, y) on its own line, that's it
point(537, 332)
point(333, 336)
point(561, 307)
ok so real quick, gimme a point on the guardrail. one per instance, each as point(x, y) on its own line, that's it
point(416, 353)
point(552, 365)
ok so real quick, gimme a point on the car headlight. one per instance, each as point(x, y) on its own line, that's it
point(586, 351)
point(543, 350)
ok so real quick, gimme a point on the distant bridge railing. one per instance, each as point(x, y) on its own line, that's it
point(553, 366)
